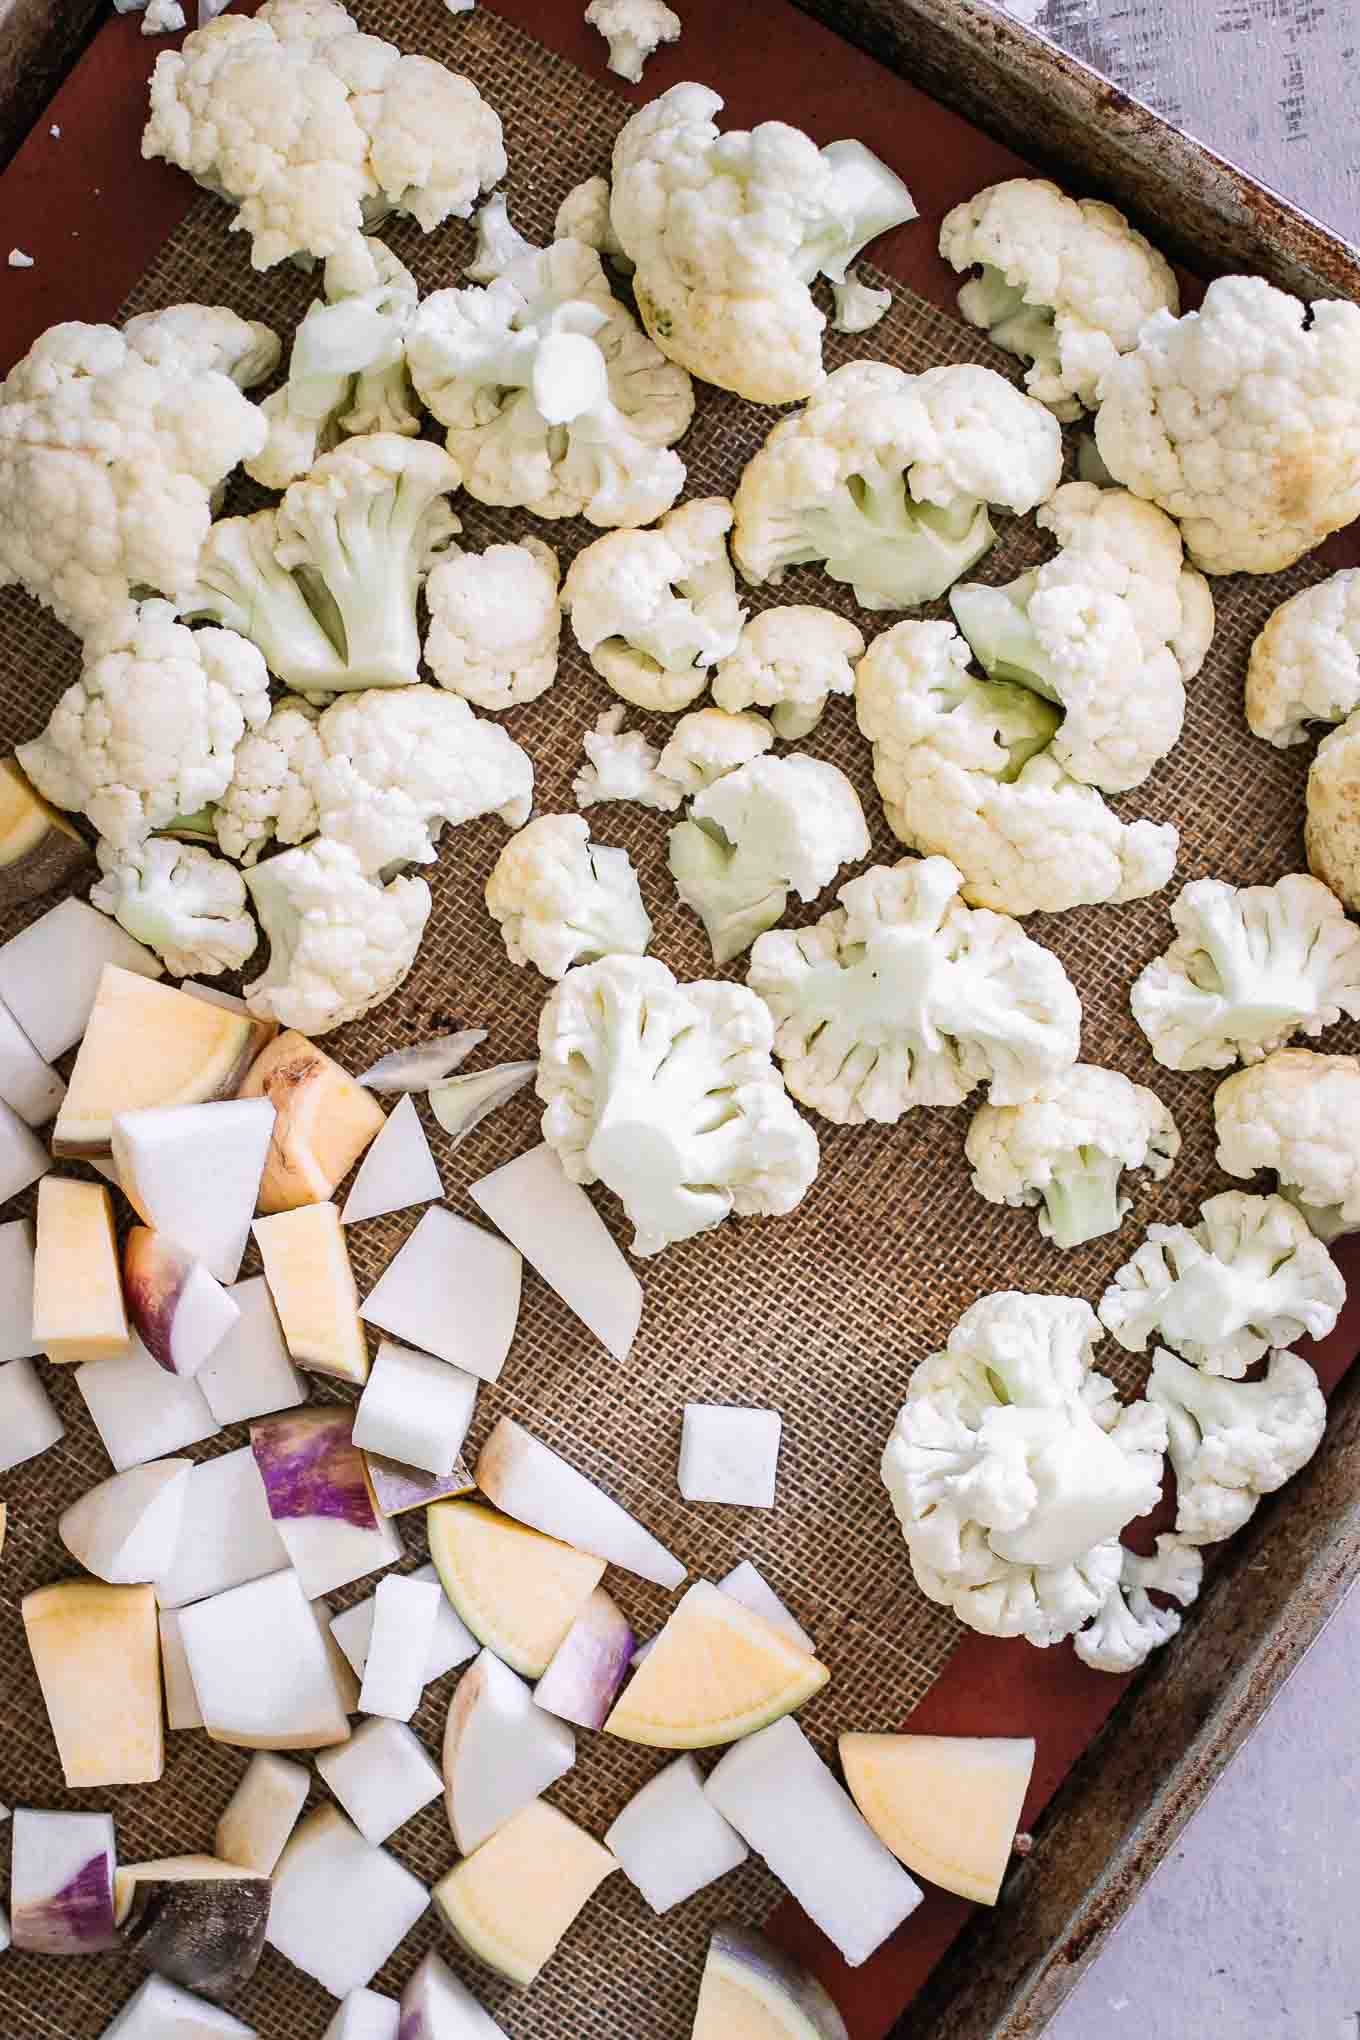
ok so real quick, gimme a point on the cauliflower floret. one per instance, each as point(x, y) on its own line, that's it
point(561, 899)
point(584, 216)
point(499, 243)
point(1065, 1148)
point(1297, 1113)
point(1065, 284)
point(495, 620)
point(902, 996)
point(1250, 967)
point(708, 743)
point(1305, 663)
point(622, 765)
point(775, 826)
point(666, 1094)
point(633, 29)
point(186, 904)
point(1243, 421)
point(790, 660)
point(885, 479)
point(338, 942)
point(1233, 1441)
point(1331, 835)
point(150, 729)
point(1130, 1626)
point(272, 793)
point(858, 305)
point(654, 610)
point(1248, 1277)
point(728, 232)
point(962, 767)
point(316, 132)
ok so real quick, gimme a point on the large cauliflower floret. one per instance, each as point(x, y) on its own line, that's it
point(962, 767)
point(186, 904)
point(561, 899)
point(1250, 967)
point(620, 764)
point(633, 29)
point(1065, 283)
point(1233, 1441)
point(1331, 834)
point(1249, 1276)
point(1066, 1147)
point(885, 478)
point(1305, 663)
point(495, 620)
point(728, 231)
point(584, 216)
point(1243, 421)
point(338, 942)
point(315, 132)
point(1131, 1625)
point(272, 791)
point(111, 448)
point(903, 996)
point(655, 610)
point(150, 729)
point(666, 1094)
point(1013, 1467)
point(707, 744)
point(790, 660)
point(1297, 1113)
point(775, 826)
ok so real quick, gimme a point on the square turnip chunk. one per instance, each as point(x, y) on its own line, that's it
point(140, 1411)
point(61, 1882)
point(671, 1840)
point(436, 2005)
point(452, 1290)
point(16, 1292)
point(227, 1535)
point(453, 1642)
point(49, 974)
point(381, 1777)
point(319, 1497)
point(340, 1905)
point(404, 1613)
point(365, 2015)
point(126, 1530)
point(29, 1423)
point(162, 2011)
point(729, 1455)
point(415, 1409)
point(262, 1812)
point(250, 1374)
point(261, 1669)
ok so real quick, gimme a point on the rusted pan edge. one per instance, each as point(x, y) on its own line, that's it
point(39, 42)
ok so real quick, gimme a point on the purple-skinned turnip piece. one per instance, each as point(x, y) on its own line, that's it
point(397, 1489)
point(194, 1919)
point(61, 1883)
point(436, 2006)
point(179, 1311)
point(752, 1990)
point(671, 1841)
point(589, 1665)
point(422, 1065)
point(500, 1751)
point(319, 1497)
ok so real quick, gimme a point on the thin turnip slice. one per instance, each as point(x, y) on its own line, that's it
point(500, 1751)
point(453, 1642)
point(589, 1665)
point(96, 1651)
point(262, 1812)
point(28, 1085)
point(752, 1990)
point(437, 2005)
point(561, 1235)
point(61, 1882)
point(227, 1535)
point(261, 1669)
point(250, 1374)
point(381, 1777)
point(179, 1311)
point(160, 2010)
point(50, 972)
point(181, 1702)
point(319, 1497)
point(194, 1919)
point(729, 1455)
point(415, 1409)
point(749, 1587)
point(452, 1290)
point(398, 1488)
point(16, 1292)
point(463, 1103)
point(127, 1529)
point(424, 1064)
point(193, 1172)
point(671, 1840)
point(535, 1485)
point(365, 2015)
point(140, 1411)
point(29, 1423)
point(404, 1612)
point(397, 1172)
point(340, 1905)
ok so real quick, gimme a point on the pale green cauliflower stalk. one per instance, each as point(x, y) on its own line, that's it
point(151, 728)
point(704, 746)
point(272, 791)
point(633, 29)
point(1013, 1467)
point(964, 769)
point(885, 478)
point(1305, 662)
point(790, 660)
point(315, 132)
point(666, 1093)
point(1248, 1277)
point(1250, 967)
point(561, 900)
point(1065, 1148)
point(728, 231)
point(654, 611)
point(338, 942)
point(902, 996)
point(1297, 1113)
point(1064, 283)
point(186, 904)
point(1131, 1625)
point(775, 826)
point(112, 448)
point(495, 621)
point(1233, 1441)
point(1242, 420)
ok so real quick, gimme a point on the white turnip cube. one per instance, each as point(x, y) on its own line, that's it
point(749, 1587)
point(28, 1422)
point(381, 1776)
point(453, 1642)
point(261, 1668)
point(23, 1158)
point(139, 1410)
point(50, 972)
point(500, 1751)
point(404, 1614)
point(227, 1535)
point(181, 1702)
point(319, 1497)
point(340, 1905)
point(365, 2015)
point(126, 1530)
point(436, 2005)
point(415, 1409)
point(561, 1235)
point(671, 1840)
point(262, 1812)
point(193, 1172)
point(729, 1455)
point(28, 1085)
point(61, 1882)
point(397, 1171)
point(452, 1290)
point(16, 1291)
point(162, 2011)
point(250, 1374)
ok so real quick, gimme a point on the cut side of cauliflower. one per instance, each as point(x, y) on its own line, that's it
point(622, 765)
point(495, 620)
point(633, 29)
point(338, 942)
point(1305, 663)
point(561, 899)
point(1131, 1625)
point(902, 996)
point(666, 1093)
point(1297, 1113)
point(707, 744)
point(885, 478)
point(272, 792)
point(1248, 1277)
point(186, 904)
point(790, 660)
point(1233, 1441)
point(654, 610)
point(1331, 834)
point(1242, 420)
point(1066, 1147)
point(775, 826)
point(1064, 283)
point(1250, 967)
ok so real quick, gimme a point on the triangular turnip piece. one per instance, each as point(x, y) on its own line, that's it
point(752, 1990)
point(500, 1751)
point(529, 1481)
point(435, 2005)
point(511, 1902)
point(397, 1171)
point(193, 1172)
point(127, 1529)
point(716, 1672)
point(561, 1235)
point(947, 1806)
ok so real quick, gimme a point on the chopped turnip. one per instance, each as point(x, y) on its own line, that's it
point(399, 1488)
point(319, 1497)
point(589, 1665)
point(28, 1085)
point(61, 1883)
point(561, 1235)
point(97, 1653)
point(262, 1812)
point(179, 1311)
point(29, 1424)
point(195, 1919)
point(193, 1172)
point(452, 1290)
point(306, 1265)
point(436, 2005)
point(751, 1990)
point(227, 1535)
point(746, 1585)
point(340, 1905)
point(397, 1171)
point(671, 1840)
point(782, 1799)
point(365, 2015)
point(947, 1806)
point(729, 1455)
point(462, 1104)
point(250, 1374)
point(16, 1292)
point(140, 1411)
point(511, 1902)
point(78, 1311)
point(518, 1591)
point(452, 1644)
point(532, 1483)
point(23, 1158)
point(325, 1121)
point(50, 972)
point(261, 1670)
point(228, 1001)
point(404, 1612)
point(415, 1409)
point(716, 1672)
point(127, 1529)
point(4, 1930)
point(181, 1702)
point(39, 849)
point(500, 1751)
point(346, 1685)
point(382, 1777)
point(424, 1064)
point(160, 2010)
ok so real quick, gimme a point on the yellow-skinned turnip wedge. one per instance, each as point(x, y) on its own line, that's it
point(340, 1905)
point(716, 1672)
point(194, 1919)
point(671, 1840)
point(306, 1265)
point(500, 1751)
point(61, 1882)
point(947, 1806)
point(39, 849)
point(512, 1902)
point(261, 1669)
point(324, 1121)
point(78, 1311)
point(528, 1480)
point(97, 1655)
point(262, 1812)
point(752, 1990)
point(518, 1591)
point(381, 1777)
point(193, 1172)
point(50, 972)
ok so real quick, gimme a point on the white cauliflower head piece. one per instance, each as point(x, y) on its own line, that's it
point(272, 790)
point(666, 1093)
point(1305, 662)
point(561, 899)
point(633, 29)
point(1131, 1625)
point(708, 743)
point(1298, 1113)
point(584, 216)
point(1248, 1277)
point(186, 904)
point(790, 660)
point(1233, 1441)
point(495, 620)
point(1331, 833)
point(620, 764)
point(902, 996)
point(339, 942)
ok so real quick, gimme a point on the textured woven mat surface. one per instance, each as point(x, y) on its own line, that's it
point(821, 1315)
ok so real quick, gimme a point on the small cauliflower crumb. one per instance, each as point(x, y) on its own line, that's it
point(163, 17)
point(55, 132)
point(18, 259)
point(633, 29)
